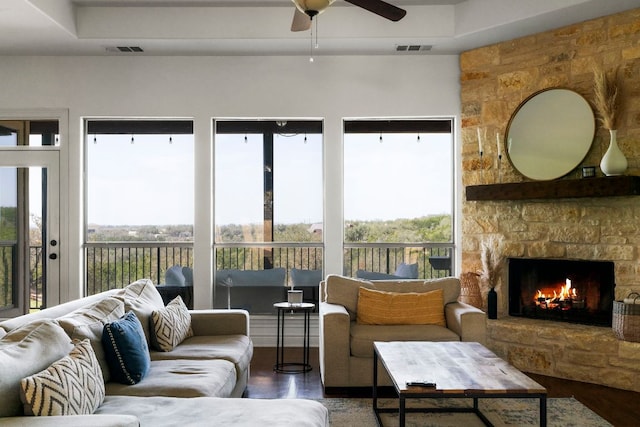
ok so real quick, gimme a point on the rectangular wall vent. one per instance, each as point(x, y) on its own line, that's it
point(413, 48)
point(124, 49)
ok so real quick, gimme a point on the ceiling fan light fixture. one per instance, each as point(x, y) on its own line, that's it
point(312, 7)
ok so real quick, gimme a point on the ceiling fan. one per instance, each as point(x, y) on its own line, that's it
point(307, 9)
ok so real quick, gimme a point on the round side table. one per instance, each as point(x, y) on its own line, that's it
point(292, 367)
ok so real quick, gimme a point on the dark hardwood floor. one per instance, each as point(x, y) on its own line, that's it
point(619, 407)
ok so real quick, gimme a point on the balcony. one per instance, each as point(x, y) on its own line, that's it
point(115, 264)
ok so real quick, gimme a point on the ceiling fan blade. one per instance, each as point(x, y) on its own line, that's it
point(381, 8)
point(301, 21)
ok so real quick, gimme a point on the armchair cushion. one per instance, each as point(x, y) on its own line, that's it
point(400, 308)
point(344, 291)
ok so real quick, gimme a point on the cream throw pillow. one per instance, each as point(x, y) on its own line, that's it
point(71, 386)
point(171, 325)
point(400, 308)
point(25, 351)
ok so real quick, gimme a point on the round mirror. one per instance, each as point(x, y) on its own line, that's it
point(550, 134)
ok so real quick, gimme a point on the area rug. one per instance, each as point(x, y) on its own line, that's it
point(566, 412)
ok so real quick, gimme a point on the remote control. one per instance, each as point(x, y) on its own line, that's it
point(420, 384)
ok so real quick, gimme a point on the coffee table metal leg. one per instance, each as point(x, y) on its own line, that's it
point(543, 411)
point(402, 411)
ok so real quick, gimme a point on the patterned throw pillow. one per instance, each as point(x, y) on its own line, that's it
point(71, 386)
point(170, 325)
point(126, 350)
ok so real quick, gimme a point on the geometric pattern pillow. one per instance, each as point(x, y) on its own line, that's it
point(170, 325)
point(126, 350)
point(71, 386)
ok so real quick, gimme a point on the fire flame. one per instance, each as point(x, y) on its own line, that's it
point(565, 294)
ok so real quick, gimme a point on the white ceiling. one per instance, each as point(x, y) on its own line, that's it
point(245, 27)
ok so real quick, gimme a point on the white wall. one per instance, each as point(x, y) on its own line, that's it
point(203, 88)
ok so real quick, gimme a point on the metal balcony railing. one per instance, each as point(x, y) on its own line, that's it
point(433, 259)
point(116, 264)
point(112, 265)
point(8, 276)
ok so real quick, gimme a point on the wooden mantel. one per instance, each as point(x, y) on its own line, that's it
point(608, 186)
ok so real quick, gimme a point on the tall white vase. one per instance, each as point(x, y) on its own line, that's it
point(613, 162)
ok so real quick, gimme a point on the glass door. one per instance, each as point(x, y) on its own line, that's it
point(29, 221)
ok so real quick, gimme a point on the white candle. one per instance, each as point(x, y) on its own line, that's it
point(479, 141)
point(498, 144)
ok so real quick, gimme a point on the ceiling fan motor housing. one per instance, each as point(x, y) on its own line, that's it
point(312, 7)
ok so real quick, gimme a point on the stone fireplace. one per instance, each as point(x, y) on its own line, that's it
point(494, 80)
point(563, 290)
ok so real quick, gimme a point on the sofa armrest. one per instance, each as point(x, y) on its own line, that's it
point(469, 322)
point(219, 322)
point(335, 349)
point(96, 420)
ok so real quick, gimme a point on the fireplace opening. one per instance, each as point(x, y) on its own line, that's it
point(575, 291)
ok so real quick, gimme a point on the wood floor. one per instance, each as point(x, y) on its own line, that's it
point(619, 407)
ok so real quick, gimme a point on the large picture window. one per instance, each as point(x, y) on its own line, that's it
point(268, 210)
point(398, 197)
point(139, 201)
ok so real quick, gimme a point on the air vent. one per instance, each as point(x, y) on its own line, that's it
point(413, 48)
point(124, 49)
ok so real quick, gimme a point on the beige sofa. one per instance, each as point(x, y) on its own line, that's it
point(201, 379)
point(346, 346)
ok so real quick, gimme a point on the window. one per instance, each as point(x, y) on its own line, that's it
point(398, 196)
point(268, 202)
point(139, 200)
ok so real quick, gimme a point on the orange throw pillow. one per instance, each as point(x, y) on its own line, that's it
point(400, 308)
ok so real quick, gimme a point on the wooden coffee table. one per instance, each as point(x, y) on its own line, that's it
point(458, 369)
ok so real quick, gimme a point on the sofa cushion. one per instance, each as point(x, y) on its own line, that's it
point(237, 412)
point(2, 332)
point(182, 378)
point(174, 276)
point(25, 351)
point(126, 350)
point(305, 277)
point(267, 277)
point(449, 285)
point(363, 336)
point(344, 291)
point(72, 385)
point(170, 325)
point(142, 298)
point(374, 275)
point(88, 323)
point(407, 271)
point(237, 349)
point(400, 308)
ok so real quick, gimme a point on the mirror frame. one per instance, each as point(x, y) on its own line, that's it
point(536, 120)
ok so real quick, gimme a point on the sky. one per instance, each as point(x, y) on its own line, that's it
point(150, 181)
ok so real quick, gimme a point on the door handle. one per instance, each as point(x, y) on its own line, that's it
point(53, 256)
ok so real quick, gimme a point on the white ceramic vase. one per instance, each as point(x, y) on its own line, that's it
point(613, 162)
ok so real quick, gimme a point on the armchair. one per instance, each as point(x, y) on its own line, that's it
point(346, 346)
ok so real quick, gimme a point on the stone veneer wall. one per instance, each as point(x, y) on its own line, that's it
point(494, 81)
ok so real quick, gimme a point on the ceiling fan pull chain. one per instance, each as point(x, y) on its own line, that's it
point(311, 43)
point(316, 46)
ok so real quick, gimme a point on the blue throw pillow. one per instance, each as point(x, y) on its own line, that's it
point(126, 350)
